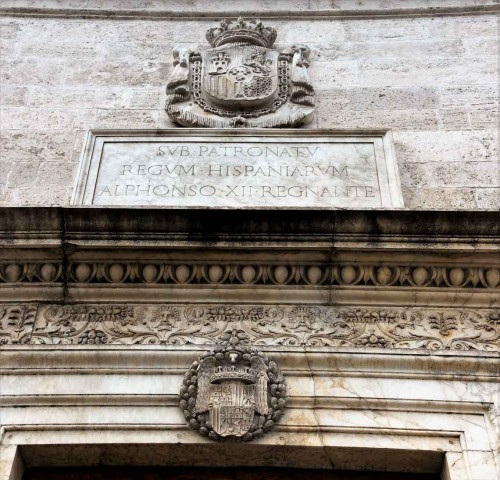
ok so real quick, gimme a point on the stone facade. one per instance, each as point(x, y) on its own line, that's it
point(384, 323)
point(433, 80)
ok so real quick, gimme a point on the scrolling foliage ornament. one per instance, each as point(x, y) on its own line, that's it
point(234, 392)
point(242, 81)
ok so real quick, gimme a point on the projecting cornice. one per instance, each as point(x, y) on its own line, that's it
point(270, 256)
point(291, 10)
point(385, 279)
point(144, 224)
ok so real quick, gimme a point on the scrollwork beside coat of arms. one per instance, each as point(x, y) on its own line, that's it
point(233, 392)
point(242, 81)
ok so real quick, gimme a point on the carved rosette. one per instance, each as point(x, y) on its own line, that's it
point(242, 81)
point(234, 392)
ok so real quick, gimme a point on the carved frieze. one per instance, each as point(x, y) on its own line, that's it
point(418, 275)
point(233, 392)
point(286, 325)
point(241, 81)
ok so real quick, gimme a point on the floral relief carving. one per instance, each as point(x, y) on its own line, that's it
point(285, 325)
point(16, 323)
point(93, 337)
point(83, 324)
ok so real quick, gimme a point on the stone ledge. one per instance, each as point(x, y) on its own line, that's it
point(252, 256)
point(280, 9)
point(140, 224)
point(294, 361)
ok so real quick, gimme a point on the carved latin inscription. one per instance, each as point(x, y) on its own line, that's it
point(306, 170)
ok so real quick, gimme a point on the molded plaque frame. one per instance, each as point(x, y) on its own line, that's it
point(93, 161)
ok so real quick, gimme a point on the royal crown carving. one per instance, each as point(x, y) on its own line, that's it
point(242, 81)
point(233, 392)
point(252, 32)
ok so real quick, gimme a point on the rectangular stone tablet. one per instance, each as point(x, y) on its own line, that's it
point(182, 168)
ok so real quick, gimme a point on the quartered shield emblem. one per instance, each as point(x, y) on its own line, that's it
point(234, 392)
point(231, 408)
point(241, 81)
point(236, 77)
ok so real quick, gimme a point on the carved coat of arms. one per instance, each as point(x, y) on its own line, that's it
point(234, 392)
point(242, 81)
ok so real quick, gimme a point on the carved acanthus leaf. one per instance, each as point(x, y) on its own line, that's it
point(288, 325)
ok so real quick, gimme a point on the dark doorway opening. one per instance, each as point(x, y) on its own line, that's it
point(188, 473)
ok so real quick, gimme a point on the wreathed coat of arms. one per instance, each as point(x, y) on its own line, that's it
point(242, 81)
point(233, 393)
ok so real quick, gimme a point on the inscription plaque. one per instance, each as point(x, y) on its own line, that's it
point(244, 169)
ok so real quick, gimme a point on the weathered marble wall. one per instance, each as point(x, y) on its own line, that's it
point(433, 79)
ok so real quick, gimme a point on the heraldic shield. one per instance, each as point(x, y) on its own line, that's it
point(242, 81)
point(231, 408)
point(233, 392)
point(240, 77)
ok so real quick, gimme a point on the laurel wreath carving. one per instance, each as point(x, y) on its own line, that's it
point(277, 391)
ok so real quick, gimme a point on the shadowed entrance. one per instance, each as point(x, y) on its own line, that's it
point(187, 473)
